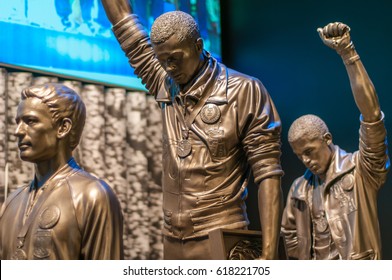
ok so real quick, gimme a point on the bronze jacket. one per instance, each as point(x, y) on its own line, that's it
point(350, 200)
point(207, 189)
point(76, 216)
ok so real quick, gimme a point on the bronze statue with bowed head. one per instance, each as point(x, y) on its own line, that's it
point(331, 211)
point(64, 213)
point(218, 127)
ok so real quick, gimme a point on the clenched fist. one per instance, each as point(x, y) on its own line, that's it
point(336, 35)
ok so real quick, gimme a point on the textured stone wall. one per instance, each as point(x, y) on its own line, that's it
point(136, 174)
point(3, 131)
point(92, 144)
point(154, 160)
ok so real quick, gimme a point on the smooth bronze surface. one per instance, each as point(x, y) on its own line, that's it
point(331, 211)
point(227, 118)
point(64, 213)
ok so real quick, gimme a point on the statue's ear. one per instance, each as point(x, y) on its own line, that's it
point(64, 128)
point(199, 45)
point(328, 138)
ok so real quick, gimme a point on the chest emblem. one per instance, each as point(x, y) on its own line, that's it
point(49, 217)
point(210, 113)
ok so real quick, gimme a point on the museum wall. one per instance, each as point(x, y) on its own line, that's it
point(276, 41)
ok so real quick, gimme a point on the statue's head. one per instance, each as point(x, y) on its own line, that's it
point(311, 141)
point(177, 45)
point(63, 105)
point(176, 23)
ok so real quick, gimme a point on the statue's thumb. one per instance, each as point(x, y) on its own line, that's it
point(320, 32)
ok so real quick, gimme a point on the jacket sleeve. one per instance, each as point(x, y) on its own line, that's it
point(260, 129)
point(373, 157)
point(101, 223)
point(136, 45)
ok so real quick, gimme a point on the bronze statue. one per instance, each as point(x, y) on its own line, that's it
point(64, 213)
point(218, 127)
point(331, 211)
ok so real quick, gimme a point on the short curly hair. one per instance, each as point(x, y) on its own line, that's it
point(177, 23)
point(63, 102)
point(310, 126)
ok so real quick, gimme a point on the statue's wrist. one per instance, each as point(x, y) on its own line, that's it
point(348, 54)
point(351, 60)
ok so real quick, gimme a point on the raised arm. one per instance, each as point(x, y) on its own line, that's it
point(337, 36)
point(116, 10)
point(135, 42)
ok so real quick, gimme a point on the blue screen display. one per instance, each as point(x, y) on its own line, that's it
point(73, 38)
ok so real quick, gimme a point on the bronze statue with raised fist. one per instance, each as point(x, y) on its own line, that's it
point(331, 211)
point(218, 127)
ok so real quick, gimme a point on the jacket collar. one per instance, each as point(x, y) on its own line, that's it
point(63, 172)
point(341, 164)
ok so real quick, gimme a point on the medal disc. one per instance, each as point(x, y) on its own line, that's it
point(19, 255)
point(49, 217)
point(210, 113)
point(184, 148)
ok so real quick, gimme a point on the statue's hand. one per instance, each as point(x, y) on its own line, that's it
point(336, 35)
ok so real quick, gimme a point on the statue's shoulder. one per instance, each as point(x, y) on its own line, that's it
point(83, 182)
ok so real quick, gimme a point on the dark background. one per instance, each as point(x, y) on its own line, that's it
point(276, 41)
